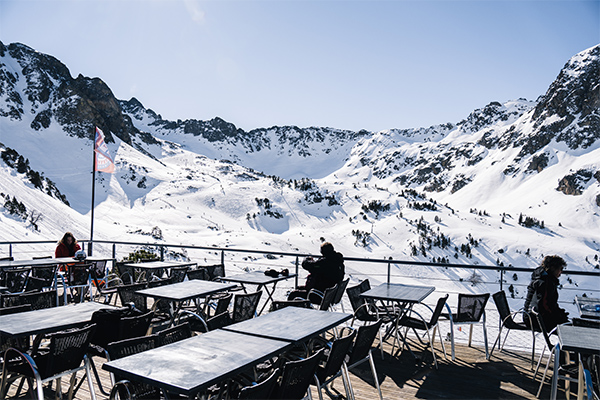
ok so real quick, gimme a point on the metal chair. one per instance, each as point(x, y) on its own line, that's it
point(21, 343)
point(105, 283)
point(296, 378)
point(15, 279)
point(245, 305)
point(335, 364)
point(508, 322)
point(78, 282)
point(326, 297)
point(42, 278)
point(363, 351)
point(37, 300)
point(279, 304)
point(66, 352)
point(470, 310)
point(419, 323)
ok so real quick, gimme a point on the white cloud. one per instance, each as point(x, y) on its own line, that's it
point(195, 11)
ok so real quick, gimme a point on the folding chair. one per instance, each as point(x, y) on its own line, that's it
point(335, 364)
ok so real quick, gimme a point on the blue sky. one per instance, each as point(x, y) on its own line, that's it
point(345, 64)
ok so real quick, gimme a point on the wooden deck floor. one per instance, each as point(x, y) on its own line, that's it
point(508, 375)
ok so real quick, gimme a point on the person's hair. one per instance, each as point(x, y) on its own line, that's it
point(68, 235)
point(553, 262)
point(327, 248)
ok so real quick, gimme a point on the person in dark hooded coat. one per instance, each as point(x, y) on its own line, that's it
point(542, 293)
point(325, 272)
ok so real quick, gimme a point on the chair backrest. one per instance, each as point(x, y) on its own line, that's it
point(245, 305)
point(337, 354)
point(354, 295)
point(39, 300)
point(21, 343)
point(41, 277)
point(223, 303)
point(160, 282)
point(471, 307)
point(178, 273)
point(279, 304)
point(135, 326)
point(174, 334)
point(67, 349)
point(502, 305)
point(199, 273)
point(340, 291)
point(129, 347)
point(365, 337)
point(16, 279)
point(261, 390)
point(328, 297)
point(218, 321)
point(108, 321)
point(214, 271)
point(297, 376)
point(78, 274)
point(127, 295)
point(127, 274)
point(98, 269)
point(437, 311)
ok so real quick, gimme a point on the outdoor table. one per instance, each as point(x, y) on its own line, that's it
point(159, 266)
point(581, 340)
point(588, 307)
point(292, 324)
point(45, 262)
point(191, 365)
point(49, 319)
point(405, 296)
point(184, 291)
point(259, 279)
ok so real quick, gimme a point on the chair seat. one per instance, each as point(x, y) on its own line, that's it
point(412, 322)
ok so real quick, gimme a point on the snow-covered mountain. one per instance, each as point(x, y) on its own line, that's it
point(509, 183)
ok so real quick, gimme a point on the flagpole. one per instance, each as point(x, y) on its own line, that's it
point(93, 191)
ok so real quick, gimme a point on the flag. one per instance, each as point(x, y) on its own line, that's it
point(103, 161)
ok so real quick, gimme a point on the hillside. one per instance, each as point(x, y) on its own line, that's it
point(509, 183)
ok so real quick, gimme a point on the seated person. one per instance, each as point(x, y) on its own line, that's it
point(542, 294)
point(67, 246)
point(325, 272)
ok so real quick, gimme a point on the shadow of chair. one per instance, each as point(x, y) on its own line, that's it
point(65, 355)
point(507, 322)
point(417, 322)
point(470, 311)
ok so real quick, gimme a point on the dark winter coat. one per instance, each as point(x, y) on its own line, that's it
point(542, 296)
point(325, 271)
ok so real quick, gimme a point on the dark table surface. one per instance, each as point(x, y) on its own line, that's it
point(49, 319)
point(160, 264)
point(588, 307)
point(399, 292)
point(194, 364)
point(186, 290)
point(579, 339)
point(256, 278)
point(292, 324)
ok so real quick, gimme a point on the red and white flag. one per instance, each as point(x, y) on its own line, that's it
point(103, 161)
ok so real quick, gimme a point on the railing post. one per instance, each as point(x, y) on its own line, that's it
point(162, 253)
point(501, 278)
point(114, 251)
point(389, 272)
point(297, 265)
point(223, 258)
point(10, 249)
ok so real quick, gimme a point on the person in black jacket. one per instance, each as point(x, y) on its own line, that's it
point(542, 293)
point(325, 272)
